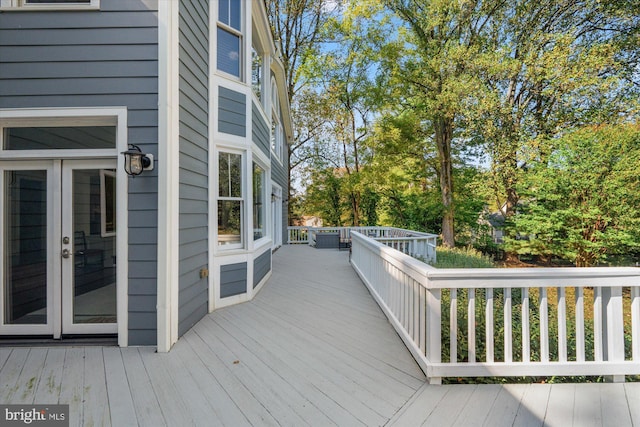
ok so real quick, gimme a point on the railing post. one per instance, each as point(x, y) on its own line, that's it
point(434, 330)
point(613, 328)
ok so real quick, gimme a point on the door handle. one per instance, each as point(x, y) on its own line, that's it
point(66, 253)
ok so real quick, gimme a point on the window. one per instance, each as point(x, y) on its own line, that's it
point(259, 198)
point(229, 200)
point(59, 138)
point(229, 37)
point(50, 4)
point(276, 127)
point(256, 73)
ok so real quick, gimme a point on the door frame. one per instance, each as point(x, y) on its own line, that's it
point(96, 116)
point(67, 222)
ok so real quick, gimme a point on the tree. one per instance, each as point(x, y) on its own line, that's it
point(583, 203)
point(548, 66)
point(296, 26)
point(443, 41)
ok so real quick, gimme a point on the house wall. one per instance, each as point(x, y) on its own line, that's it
point(261, 266)
point(97, 59)
point(232, 116)
point(233, 279)
point(260, 133)
point(194, 170)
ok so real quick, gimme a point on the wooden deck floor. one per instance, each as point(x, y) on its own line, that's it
point(312, 348)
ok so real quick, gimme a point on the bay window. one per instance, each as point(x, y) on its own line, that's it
point(230, 202)
point(259, 199)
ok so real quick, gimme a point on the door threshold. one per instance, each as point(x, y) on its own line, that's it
point(108, 340)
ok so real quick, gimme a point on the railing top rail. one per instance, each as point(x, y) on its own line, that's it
point(391, 239)
point(418, 269)
point(409, 233)
point(527, 277)
point(434, 278)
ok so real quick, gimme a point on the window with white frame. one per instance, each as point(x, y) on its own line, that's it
point(230, 202)
point(259, 202)
point(276, 127)
point(229, 34)
point(49, 4)
point(256, 72)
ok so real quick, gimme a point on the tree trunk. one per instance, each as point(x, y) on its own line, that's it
point(443, 137)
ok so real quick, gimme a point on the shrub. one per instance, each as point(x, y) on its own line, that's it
point(461, 258)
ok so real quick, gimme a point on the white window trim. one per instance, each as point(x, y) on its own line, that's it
point(276, 119)
point(239, 33)
point(22, 5)
point(266, 202)
point(242, 199)
point(276, 215)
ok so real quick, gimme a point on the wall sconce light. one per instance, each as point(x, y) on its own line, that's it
point(273, 197)
point(135, 161)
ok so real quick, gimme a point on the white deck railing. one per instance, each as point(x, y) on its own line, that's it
point(423, 303)
point(413, 243)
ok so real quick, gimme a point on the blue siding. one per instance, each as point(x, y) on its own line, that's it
point(232, 112)
point(260, 132)
point(233, 279)
point(194, 173)
point(97, 59)
point(261, 266)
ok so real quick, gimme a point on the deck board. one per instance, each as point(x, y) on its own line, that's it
point(478, 405)
point(121, 408)
point(312, 348)
point(50, 381)
point(30, 375)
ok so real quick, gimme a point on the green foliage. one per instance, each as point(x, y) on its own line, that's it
point(461, 258)
point(583, 204)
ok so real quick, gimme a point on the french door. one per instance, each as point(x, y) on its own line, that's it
point(58, 251)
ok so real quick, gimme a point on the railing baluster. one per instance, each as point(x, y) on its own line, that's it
point(615, 329)
point(488, 314)
point(508, 326)
point(580, 348)
point(544, 325)
point(597, 324)
point(562, 325)
point(422, 343)
point(471, 324)
point(453, 325)
point(526, 334)
point(415, 291)
point(434, 328)
point(635, 323)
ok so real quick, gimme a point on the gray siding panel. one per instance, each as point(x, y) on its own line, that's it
point(232, 112)
point(98, 59)
point(260, 132)
point(261, 266)
point(233, 279)
point(194, 171)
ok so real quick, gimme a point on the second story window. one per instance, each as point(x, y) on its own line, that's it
point(276, 127)
point(229, 35)
point(256, 72)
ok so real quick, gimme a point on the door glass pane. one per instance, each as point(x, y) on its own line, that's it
point(94, 246)
point(60, 138)
point(25, 247)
